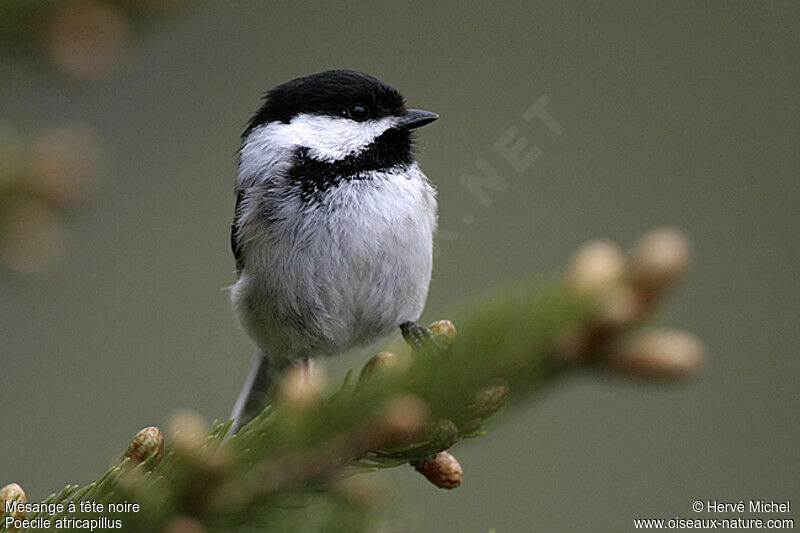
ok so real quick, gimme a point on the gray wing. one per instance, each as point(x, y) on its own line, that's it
point(236, 246)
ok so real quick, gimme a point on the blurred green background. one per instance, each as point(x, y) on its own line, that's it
point(679, 113)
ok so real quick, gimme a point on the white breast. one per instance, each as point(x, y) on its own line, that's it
point(325, 277)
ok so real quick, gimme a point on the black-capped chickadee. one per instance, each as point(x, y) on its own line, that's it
point(334, 224)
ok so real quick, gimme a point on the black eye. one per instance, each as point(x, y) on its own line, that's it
point(358, 112)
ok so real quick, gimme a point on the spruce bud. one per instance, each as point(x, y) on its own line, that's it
point(10, 493)
point(441, 469)
point(147, 442)
point(444, 333)
point(491, 398)
point(597, 264)
point(659, 352)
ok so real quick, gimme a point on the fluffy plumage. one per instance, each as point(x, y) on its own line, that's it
point(334, 222)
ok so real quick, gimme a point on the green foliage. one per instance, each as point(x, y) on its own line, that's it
point(281, 471)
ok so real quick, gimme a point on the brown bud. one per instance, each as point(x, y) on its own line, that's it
point(444, 332)
point(67, 162)
point(299, 386)
point(377, 364)
point(86, 39)
point(10, 493)
point(572, 344)
point(148, 442)
point(439, 435)
point(659, 352)
point(658, 258)
point(618, 308)
point(400, 418)
point(187, 430)
point(491, 398)
point(184, 524)
point(596, 265)
point(441, 469)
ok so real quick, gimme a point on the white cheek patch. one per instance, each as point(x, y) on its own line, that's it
point(327, 138)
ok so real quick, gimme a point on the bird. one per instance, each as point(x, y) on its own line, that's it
point(333, 227)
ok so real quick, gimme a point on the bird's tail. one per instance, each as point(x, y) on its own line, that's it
point(256, 393)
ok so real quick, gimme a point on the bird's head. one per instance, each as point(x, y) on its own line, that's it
point(336, 115)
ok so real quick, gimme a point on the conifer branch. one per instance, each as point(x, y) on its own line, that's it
point(294, 463)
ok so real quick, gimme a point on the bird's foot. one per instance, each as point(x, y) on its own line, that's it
point(421, 340)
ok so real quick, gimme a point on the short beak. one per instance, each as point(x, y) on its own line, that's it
point(414, 118)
